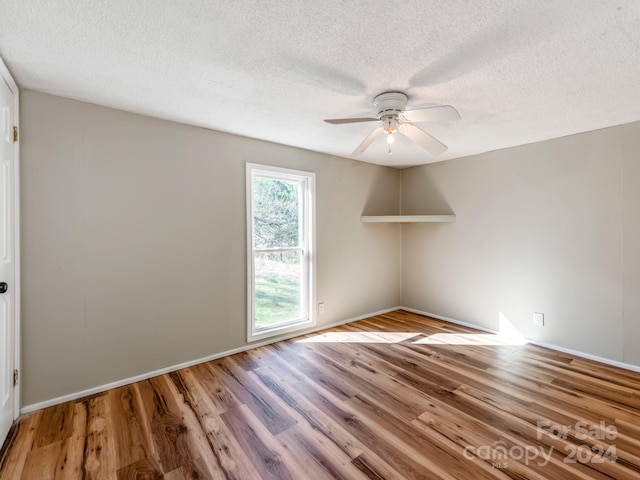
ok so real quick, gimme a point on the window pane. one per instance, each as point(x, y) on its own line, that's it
point(278, 296)
point(276, 213)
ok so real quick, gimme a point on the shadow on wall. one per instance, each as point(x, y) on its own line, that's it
point(383, 196)
point(425, 200)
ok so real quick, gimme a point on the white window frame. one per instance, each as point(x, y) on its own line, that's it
point(308, 194)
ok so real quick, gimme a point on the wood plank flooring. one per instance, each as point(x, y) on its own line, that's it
point(396, 396)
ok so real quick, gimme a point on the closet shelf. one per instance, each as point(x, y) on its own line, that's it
point(407, 218)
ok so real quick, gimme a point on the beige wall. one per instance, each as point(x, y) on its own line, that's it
point(133, 242)
point(540, 228)
point(631, 231)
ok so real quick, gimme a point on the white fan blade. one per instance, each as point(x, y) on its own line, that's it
point(432, 114)
point(367, 141)
point(422, 138)
point(338, 121)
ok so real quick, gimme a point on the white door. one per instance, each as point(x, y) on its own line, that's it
point(8, 92)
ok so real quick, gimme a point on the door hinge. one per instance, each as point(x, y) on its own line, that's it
point(15, 134)
point(15, 378)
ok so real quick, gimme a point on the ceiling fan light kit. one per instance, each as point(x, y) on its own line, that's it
point(390, 109)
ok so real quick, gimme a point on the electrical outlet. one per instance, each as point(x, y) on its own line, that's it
point(538, 319)
point(320, 308)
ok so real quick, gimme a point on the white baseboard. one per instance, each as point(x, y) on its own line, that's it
point(101, 388)
point(577, 353)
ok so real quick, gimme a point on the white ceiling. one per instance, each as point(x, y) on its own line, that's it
point(517, 71)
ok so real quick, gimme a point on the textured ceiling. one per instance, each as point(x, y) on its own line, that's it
point(517, 71)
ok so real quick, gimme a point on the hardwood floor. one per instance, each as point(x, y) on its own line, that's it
point(396, 396)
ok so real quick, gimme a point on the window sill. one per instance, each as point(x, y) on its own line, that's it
point(279, 330)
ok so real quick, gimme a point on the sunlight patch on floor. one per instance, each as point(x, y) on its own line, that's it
point(465, 339)
point(360, 337)
point(508, 335)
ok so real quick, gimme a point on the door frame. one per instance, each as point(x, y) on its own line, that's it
point(6, 76)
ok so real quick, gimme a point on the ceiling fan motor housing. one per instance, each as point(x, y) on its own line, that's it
point(390, 104)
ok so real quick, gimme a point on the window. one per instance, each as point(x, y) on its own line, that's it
point(280, 231)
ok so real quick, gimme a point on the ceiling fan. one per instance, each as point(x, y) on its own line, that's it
point(391, 112)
